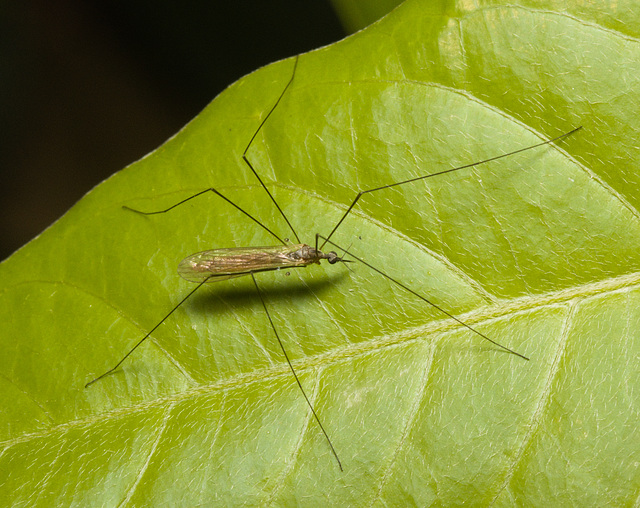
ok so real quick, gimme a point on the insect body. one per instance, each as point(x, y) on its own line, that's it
point(223, 264)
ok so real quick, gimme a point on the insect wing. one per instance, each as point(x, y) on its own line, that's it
point(223, 264)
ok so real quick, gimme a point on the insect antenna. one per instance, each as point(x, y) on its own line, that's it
point(435, 306)
point(362, 193)
point(315, 415)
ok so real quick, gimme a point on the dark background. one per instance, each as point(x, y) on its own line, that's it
point(87, 88)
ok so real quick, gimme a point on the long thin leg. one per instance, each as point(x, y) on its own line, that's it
point(246, 160)
point(437, 307)
point(362, 193)
point(147, 335)
point(244, 155)
point(218, 193)
point(273, 327)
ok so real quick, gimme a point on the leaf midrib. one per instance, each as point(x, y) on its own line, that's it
point(400, 339)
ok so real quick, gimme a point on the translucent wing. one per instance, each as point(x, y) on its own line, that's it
point(223, 264)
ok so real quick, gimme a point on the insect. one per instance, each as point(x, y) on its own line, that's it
point(223, 264)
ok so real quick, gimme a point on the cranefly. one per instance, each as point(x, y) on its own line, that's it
point(222, 264)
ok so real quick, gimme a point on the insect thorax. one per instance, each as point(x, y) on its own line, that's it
point(309, 255)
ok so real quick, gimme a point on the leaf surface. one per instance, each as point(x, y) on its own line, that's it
point(539, 251)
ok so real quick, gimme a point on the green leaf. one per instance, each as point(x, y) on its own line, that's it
point(539, 251)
